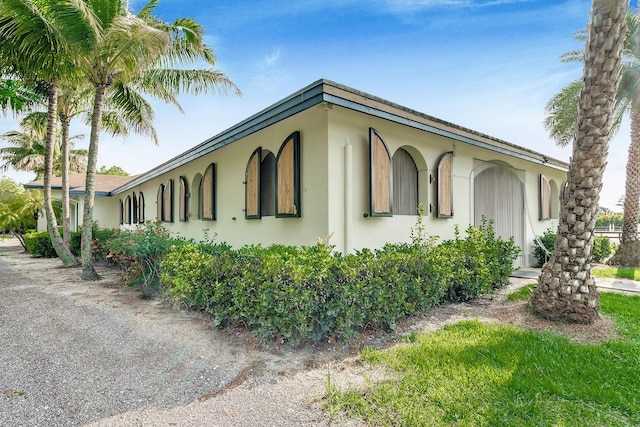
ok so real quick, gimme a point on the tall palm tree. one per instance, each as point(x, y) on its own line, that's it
point(565, 288)
point(136, 52)
point(37, 41)
point(27, 146)
point(562, 111)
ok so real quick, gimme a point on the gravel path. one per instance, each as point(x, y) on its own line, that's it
point(76, 353)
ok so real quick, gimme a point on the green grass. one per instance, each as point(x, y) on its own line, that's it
point(472, 374)
point(521, 294)
point(615, 272)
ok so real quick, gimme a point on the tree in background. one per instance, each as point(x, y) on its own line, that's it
point(26, 148)
point(562, 115)
point(565, 288)
point(18, 208)
point(113, 170)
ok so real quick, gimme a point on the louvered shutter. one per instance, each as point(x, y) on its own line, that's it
point(288, 177)
point(445, 186)
point(380, 176)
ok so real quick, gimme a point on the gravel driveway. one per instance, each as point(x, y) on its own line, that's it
point(76, 353)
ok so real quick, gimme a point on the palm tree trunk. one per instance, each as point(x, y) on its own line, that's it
point(88, 270)
point(565, 288)
point(63, 252)
point(66, 220)
point(629, 252)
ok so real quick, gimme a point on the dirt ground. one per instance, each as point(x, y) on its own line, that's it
point(271, 386)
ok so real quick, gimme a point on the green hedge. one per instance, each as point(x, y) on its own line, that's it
point(38, 243)
point(602, 248)
point(309, 294)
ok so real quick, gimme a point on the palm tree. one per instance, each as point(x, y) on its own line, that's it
point(561, 121)
point(27, 146)
point(565, 288)
point(134, 53)
point(37, 40)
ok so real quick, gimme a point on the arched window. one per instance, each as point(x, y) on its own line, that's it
point(121, 212)
point(405, 184)
point(268, 184)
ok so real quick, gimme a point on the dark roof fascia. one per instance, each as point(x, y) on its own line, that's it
point(287, 107)
point(72, 192)
point(315, 94)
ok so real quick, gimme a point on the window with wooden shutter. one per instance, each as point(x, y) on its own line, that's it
point(445, 186)
point(380, 176)
point(121, 212)
point(268, 184)
point(127, 210)
point(183, 200)
point(252, 185)
point(160, 202)
point(544, 198)
point(168, 201)
point(141, 208)
point(405, 184)
point(288, 177)
point(208, 193)
point(134, 208)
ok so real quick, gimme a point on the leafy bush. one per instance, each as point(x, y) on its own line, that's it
point(546, 241)
point(309, 294)
point(39, 244)
point(139, 252)
point(602, 248)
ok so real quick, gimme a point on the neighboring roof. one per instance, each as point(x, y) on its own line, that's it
point(326, 91)
point(105, 184)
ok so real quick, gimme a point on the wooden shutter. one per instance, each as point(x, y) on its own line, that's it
point(168, 201)
point(127, 210)
point(208, 194)
point(252, 185)
point(288, 177)
point(121, 212)
point(183, 200)
point(445, 186)
point(141, 208)
point(160, 213)
point(134, 203)
point(380, 176)
point(544, 199)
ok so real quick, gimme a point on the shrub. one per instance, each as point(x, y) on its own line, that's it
point(602, 248)
point(546, 241)
point(140, 251)
point(310, 294)
point(38, 243)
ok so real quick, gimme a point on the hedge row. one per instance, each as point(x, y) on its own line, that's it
point(308, 294)
point(39, 244)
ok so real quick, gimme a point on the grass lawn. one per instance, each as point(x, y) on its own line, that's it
point(472, 374)
point(615, 272)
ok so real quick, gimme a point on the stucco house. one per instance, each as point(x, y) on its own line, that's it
point(330, 160)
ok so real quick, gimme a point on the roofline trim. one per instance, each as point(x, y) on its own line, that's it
point(315, 94)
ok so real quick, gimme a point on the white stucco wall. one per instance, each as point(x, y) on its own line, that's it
point(230, 225)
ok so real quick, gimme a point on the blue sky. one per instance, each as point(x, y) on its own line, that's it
point(489, 65)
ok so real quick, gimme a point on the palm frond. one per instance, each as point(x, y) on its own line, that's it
point(562, 113)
